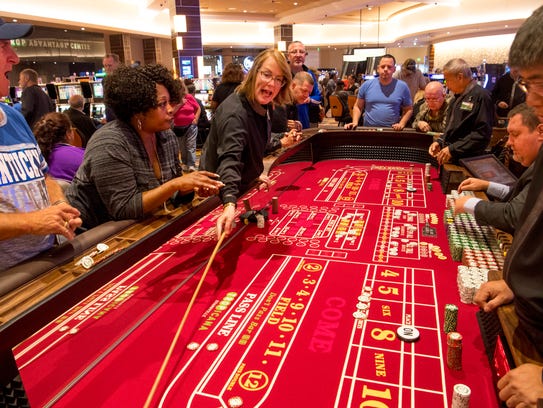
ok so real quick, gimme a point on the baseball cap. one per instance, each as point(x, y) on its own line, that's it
point(11, 31)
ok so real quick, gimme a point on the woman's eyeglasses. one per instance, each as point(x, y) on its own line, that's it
point(278, 80)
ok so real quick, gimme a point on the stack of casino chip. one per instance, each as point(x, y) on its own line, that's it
point(454, 351)
point(469, 280)
point(469, 242)
point(460, 398)
point(451, 318)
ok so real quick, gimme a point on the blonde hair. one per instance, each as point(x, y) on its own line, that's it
point(248, 87)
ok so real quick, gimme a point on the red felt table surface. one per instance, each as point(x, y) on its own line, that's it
point(273, 323)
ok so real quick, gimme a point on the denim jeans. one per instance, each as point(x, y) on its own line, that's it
point(186, 137)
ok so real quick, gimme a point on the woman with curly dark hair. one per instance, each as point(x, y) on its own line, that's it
point(131, 166)
point(54, 134)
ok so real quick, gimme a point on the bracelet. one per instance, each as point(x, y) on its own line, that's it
point(59, 202)
point(229, 204)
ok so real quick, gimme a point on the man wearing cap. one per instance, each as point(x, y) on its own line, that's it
point(28, 220)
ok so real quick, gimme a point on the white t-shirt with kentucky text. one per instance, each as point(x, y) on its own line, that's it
point(22, 184)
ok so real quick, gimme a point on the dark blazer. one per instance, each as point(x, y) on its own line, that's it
point(84, 124)
point(34, 104)
point(506, 215)
point(522, 269)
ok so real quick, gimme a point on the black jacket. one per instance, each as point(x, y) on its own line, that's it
point(523, 269)
point(34, 104)
point(506, 215)
point(236, 145)
point(84, 124)
point(469, 123)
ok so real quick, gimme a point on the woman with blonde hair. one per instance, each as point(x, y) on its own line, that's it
point(241, 129)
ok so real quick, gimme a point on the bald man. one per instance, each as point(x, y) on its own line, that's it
point(432, 116)
point(83, 123)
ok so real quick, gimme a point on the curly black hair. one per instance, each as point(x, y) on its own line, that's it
point(50, 130)
point(132, 90)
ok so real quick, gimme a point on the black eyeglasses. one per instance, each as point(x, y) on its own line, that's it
point(530, 86)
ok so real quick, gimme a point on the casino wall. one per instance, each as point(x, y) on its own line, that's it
point(59, 53)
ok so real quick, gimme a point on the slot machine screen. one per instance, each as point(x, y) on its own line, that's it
point(67, 90)
point(97, 90)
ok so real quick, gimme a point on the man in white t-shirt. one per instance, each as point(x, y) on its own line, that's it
point(28, 220)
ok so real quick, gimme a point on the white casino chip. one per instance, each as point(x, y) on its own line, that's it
point(101, 247)
point(87, 262)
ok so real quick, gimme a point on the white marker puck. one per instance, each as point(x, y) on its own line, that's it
point(408, 333)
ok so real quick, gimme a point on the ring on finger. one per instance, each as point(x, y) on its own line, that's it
point(67, 224)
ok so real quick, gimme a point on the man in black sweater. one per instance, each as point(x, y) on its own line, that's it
point(34, 101)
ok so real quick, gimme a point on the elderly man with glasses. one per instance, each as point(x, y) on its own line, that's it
point(432, 116)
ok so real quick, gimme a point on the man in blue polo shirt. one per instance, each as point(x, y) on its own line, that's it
point(385, 101)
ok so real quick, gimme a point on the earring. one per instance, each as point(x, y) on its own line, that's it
point(139, 124)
